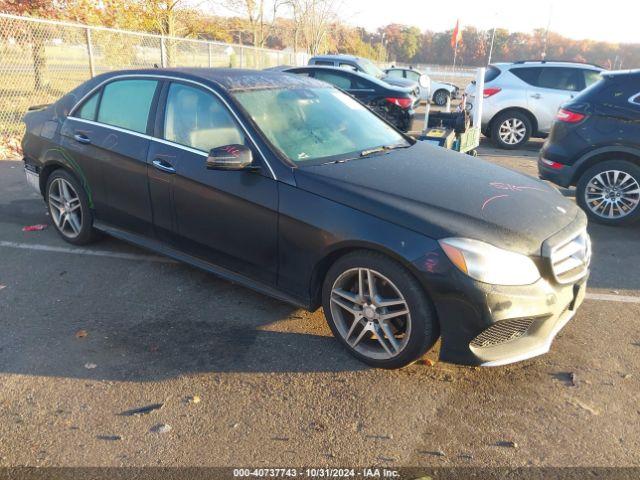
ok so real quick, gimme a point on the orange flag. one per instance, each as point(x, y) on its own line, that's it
point(457, 35)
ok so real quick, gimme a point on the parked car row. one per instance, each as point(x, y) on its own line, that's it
point(394, 103)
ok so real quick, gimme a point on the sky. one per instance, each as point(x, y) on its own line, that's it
point(610, 20)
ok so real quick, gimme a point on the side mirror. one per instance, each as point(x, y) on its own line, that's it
point(230, 157)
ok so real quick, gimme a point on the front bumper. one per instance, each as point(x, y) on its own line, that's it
point(490, 325)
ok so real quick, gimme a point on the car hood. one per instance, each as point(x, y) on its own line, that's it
point(441, 193)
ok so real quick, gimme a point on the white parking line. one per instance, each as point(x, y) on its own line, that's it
point(603, 297)
point(86, 251)
point(599, 297)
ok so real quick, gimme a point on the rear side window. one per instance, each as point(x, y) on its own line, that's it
point(528, 74)
point(395, 73)
point(415, 76)
point(88, 108)
point(363, 84)
point(339, 81)
point(348, 66)
point(323, 62)
point(199, 120)
point(491, 73)
point(591, 77)
point(561, 79)
point(126, 104)
point(556, 78)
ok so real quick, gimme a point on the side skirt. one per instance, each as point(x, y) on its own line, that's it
point(221, 272)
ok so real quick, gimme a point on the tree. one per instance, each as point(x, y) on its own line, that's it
point(312, 21)
point(35, 34)
point(260, 23)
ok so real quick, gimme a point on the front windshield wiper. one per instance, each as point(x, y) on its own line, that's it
point(371, 151)
point(382, 148)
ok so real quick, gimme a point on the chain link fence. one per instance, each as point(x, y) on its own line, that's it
point(41, 60)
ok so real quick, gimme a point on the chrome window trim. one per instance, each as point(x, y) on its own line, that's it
point(141, 135)
point(635, 99)
point(162, 140)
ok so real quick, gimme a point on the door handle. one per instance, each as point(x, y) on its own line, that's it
point(81, 138)
point(163, 165)
point(536, 95)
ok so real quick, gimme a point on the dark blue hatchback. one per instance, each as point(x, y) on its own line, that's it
point(595, 145)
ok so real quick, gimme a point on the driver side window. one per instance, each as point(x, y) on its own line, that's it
point(196, 119)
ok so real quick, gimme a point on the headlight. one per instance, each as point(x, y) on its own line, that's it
point(489, 264)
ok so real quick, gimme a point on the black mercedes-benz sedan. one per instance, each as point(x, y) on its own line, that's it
point(287, 185)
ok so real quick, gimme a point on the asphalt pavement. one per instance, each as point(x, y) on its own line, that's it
point(234, 378)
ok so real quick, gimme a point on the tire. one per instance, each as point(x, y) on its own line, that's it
point(440, 97)
point(517, 129)
point(625, 206)
point(414, 333)
point(69, 208)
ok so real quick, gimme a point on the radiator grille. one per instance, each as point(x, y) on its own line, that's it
point(570, 260)
point(502, 332)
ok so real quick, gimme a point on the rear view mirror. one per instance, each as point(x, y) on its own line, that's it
point(230, 157)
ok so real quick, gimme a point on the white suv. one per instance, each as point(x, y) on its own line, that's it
point(521, 99)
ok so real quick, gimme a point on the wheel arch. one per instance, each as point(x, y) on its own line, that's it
point(602, 154)
point(58, 159)
point(46, 171)
point(524, 111)
point(338, 251)
point(441, 89)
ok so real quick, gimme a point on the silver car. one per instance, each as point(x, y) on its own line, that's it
point(521, 99)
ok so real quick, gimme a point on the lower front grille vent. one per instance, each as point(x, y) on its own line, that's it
point(502, 332)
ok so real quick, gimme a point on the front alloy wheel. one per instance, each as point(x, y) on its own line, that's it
point(610, 192)
point(370, 313)
point(378, 310)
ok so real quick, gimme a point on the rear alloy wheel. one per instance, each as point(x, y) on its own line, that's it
point(378, 310)
point(510, 130)
point(440, 98)
point(610, 192)
point(69, 208)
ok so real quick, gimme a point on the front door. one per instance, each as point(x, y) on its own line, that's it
point(227, 218)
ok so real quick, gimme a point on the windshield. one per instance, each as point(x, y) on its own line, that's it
point(308, 124)
point(370, 69)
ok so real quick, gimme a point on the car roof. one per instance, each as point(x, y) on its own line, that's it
point(232, 79)
point(548, 63)
point(364, 76)
point(337, 56)
point(618, 73)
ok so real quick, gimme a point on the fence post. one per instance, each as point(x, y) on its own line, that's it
point(163, 54)
point(92, 69)
point(209, 52)
point(241, 57)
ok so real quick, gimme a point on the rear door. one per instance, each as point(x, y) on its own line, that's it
point(107, 139)
point(227, 218)
point(550, 88)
